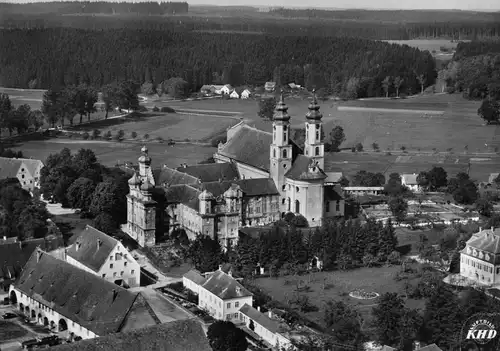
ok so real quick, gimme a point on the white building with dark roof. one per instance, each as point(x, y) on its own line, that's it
point(480, 259)
point(410, 181)
point(26, 170)
point(100, 254)
point(67, 299)
point(219, 293)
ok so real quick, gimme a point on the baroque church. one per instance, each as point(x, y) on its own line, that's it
point(258, 177)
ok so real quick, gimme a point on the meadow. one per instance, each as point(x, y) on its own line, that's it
point(326, 286)
point(427, 44)
point(111, 153)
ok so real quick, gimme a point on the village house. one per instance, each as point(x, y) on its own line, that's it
point(492, 178)
point(75, 302)
point(234, 95)
point(105, 257)
point(226, 89)
point(185, 335)
point(410, 181)
point(26, 170)
point(207, 89)
point(480, 259)
point(219, 293)
point(258, 177)
point(270, 86)
point(245, 94)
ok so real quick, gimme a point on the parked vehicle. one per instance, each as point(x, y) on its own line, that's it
point(9, 315)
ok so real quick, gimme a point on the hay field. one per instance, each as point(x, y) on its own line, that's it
point(18, 97)
point(111, 153)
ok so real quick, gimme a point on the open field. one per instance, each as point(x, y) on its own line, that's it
point(427, 44)
point(339, 285)
point(179, 127)
point(32, 97)
point(111, 153)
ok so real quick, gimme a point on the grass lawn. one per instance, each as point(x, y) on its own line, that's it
point(179, 127)
point(341, 283)
point(426, 44)
point(9, 331)
point(111, 153)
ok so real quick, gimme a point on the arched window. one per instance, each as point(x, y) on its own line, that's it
point(316, 152)
point(317, 135)
point(284, 137)
point(297, 206)
point(284, 128)
point(289, 204)
point(274, 152)
point(285, 154)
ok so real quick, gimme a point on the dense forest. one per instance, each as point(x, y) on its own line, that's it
point(95, 7)
point(265, 24)
point(60, 57)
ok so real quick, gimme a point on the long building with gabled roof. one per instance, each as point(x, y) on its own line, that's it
point(68, 299)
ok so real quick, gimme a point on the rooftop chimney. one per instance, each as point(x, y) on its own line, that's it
point(258, 308)
point(38, 255)
point(270, 314)
point(480, 229)
point(492, 228)
point(230, 273)
point(115, 293)
point(220, 267)
point(99, 243)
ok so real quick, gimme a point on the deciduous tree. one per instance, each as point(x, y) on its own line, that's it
point(337, 137)
point(266, 108)
point(224, 336)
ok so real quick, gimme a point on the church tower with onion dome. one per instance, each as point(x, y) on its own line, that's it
point(314, 146)
point(141, 208)
point(281, 148)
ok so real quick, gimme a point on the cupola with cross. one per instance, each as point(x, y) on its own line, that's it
point(314, 146)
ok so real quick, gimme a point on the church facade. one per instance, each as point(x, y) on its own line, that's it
point(257, 178)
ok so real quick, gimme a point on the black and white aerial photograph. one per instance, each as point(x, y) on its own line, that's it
point(249, 175)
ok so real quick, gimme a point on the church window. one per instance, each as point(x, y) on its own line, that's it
point(283, 201)
point(274, 135)
point(317, 126)
point(289, 204)
point(317, 135)
point(284, 128)
point(316, 152)
point(307, 126)
point(297, 206)
point(283, 187)
point(284, 137)
point(284, 166)
point(284, 154)
point(274, 152)
point(297, 189)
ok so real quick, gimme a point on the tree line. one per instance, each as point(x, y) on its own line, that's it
point(62, 57)
point(20, 118)
point(267, 25)
point(79, 181)
point(475, 72)
point(97, 7)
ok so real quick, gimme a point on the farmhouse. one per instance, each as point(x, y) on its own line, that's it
point(187, 335)
point(245, 94)
point(234, 95)
point(100, 254)
point(76, 302)
point(226, 89)
point(270, 86)
point(258, 177)
point(218, 293)
point(410, 181)
point(480, 259)
point(26, 170)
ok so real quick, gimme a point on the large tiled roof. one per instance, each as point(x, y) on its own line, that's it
point(300, 170)
point(249, 187)
point(10, 166)
point(225, 286)
point(211, 172)
point(80, 296)
point(333, 193)
point(13, 256)
point(184, 194)
point(486, 240)
point(195, 276)
point(94, 248)
point(185, 335)
point(410, 179)
point(252, 147)
point(171, 176)
point(272, 325)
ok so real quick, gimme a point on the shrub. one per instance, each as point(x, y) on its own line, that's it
point(85, 136)
point(133, 135)
point(120, 134)
point(142, 109)
point(96, 133)
point(359, 147)
point(159, 139)
point(107, 135)
point(156, 109)
point(167, 109)
point(146, 136)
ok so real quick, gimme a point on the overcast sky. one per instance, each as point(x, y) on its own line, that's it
point(484, 5)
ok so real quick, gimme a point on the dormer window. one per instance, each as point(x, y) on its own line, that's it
point(78, 246)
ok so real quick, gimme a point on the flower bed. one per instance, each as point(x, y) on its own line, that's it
point(363, 295)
